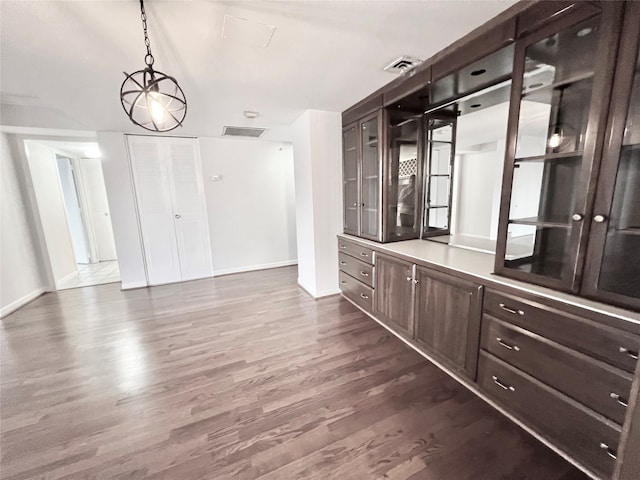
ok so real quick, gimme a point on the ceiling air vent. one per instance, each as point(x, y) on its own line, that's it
point(243, 132)
point(402, 64)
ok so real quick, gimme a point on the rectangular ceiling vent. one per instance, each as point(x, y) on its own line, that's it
point(243, 132)
point(402, 64)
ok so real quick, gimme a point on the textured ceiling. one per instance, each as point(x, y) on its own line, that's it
point(62, 61)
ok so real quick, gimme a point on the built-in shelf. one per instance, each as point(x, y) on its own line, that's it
point(440, 175)
point(551, 156)
point(370, 177)
point(628, 231)
point(562, 83)
point(351, 149)
point(438, 206)
point(538, 222)
point(446, 142)
point(372, 143)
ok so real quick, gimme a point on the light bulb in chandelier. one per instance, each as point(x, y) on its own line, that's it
point(150, 98)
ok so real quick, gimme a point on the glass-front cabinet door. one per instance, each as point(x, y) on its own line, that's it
point(370, 177)
point(561, 75)
point(402, 176)
point(350, 175)
point(440, 146)
point(613, 266)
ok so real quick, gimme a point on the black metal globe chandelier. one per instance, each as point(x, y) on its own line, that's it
point(152, 99)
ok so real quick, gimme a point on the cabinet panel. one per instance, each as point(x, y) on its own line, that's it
point(608, 344)
point(370, 178)
point(595, 384)
point(613, 269)
point(361, 271)
point(561, 82)
point(350, 176)
point(357, 291)
point(587, 437)
point(394, 293)
point(447, 316)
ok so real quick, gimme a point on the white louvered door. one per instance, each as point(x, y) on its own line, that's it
point(187, 191)
point(171, 205)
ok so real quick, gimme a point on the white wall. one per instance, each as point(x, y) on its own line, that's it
point(317, 150)
point(72, 207)
point(251, 207)
point(250, 211)
point(46, 185)
point(21, 276)
point(117, 178)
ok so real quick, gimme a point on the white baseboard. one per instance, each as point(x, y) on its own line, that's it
point(65, 278)
point(132, 285)
point(317, 295)
point(251, 268)
point(21, 302)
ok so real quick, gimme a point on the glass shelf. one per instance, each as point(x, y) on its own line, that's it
point(557, 85)
point(551, 156)
point(537, 221)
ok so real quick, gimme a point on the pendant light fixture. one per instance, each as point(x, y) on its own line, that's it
point(152, 99)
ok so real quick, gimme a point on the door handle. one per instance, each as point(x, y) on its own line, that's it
point(177, 216)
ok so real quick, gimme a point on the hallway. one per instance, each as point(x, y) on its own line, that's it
point(93, 274)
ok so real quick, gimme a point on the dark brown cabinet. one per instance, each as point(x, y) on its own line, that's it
point(561, 83)
point(447, 313)
point(613, 257)
point(362, 174)
point(394, 294)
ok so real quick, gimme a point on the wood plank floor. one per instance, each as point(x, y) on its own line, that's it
point(240, 377)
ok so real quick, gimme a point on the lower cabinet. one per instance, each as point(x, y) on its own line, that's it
point(448, 310)
point(394, 294)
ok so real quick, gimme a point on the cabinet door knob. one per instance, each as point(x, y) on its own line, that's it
point(177, 216)
point(577, 217)
point(343, 263)
point(618, 399)
point(631, 353)
point(605, 447)
point(355, 204)
point(409, 279)
point(511, 310)
point(415, 282)
point(497, 381)
point(507, 346)
point(599, 218)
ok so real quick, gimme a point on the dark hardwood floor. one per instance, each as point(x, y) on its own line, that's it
point(241, 377)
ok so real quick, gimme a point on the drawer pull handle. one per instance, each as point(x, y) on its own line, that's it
point(507, 346)
point(364, 254)
point(362, 295)
point(511, 310)
point(343, 246)
point(631, 353)
point(342, 282)
point(502, 385)
point(605, 447)
point(618, 399)
point(343, 263)
point(364, 274)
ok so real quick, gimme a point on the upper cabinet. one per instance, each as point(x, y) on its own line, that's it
point(361, 176)
point(613, 267)
point(561, 80)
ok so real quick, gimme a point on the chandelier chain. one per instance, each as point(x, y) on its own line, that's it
point(148, 59)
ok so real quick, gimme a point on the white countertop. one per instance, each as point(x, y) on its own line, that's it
point(480, 265)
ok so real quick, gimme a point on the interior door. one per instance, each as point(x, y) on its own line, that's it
point(153, 195)
point(190, 215)
point(98, 208)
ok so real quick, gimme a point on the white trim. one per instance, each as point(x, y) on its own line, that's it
point(21, 302)
point(132, 285)
point(66, 278)
point(251, 268)
point(473, 387)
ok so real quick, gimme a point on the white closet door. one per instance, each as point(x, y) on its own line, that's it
point(189, 207)
point(152, 185)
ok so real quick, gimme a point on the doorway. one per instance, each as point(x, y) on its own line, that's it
point(72, 204)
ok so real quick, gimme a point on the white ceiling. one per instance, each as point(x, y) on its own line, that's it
point(62, 61)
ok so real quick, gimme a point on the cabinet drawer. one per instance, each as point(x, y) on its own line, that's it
point(605, 343)
point(587, 437)
point(599, 386)
point(355, 268)
point(356, 291)
point(361, 253)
